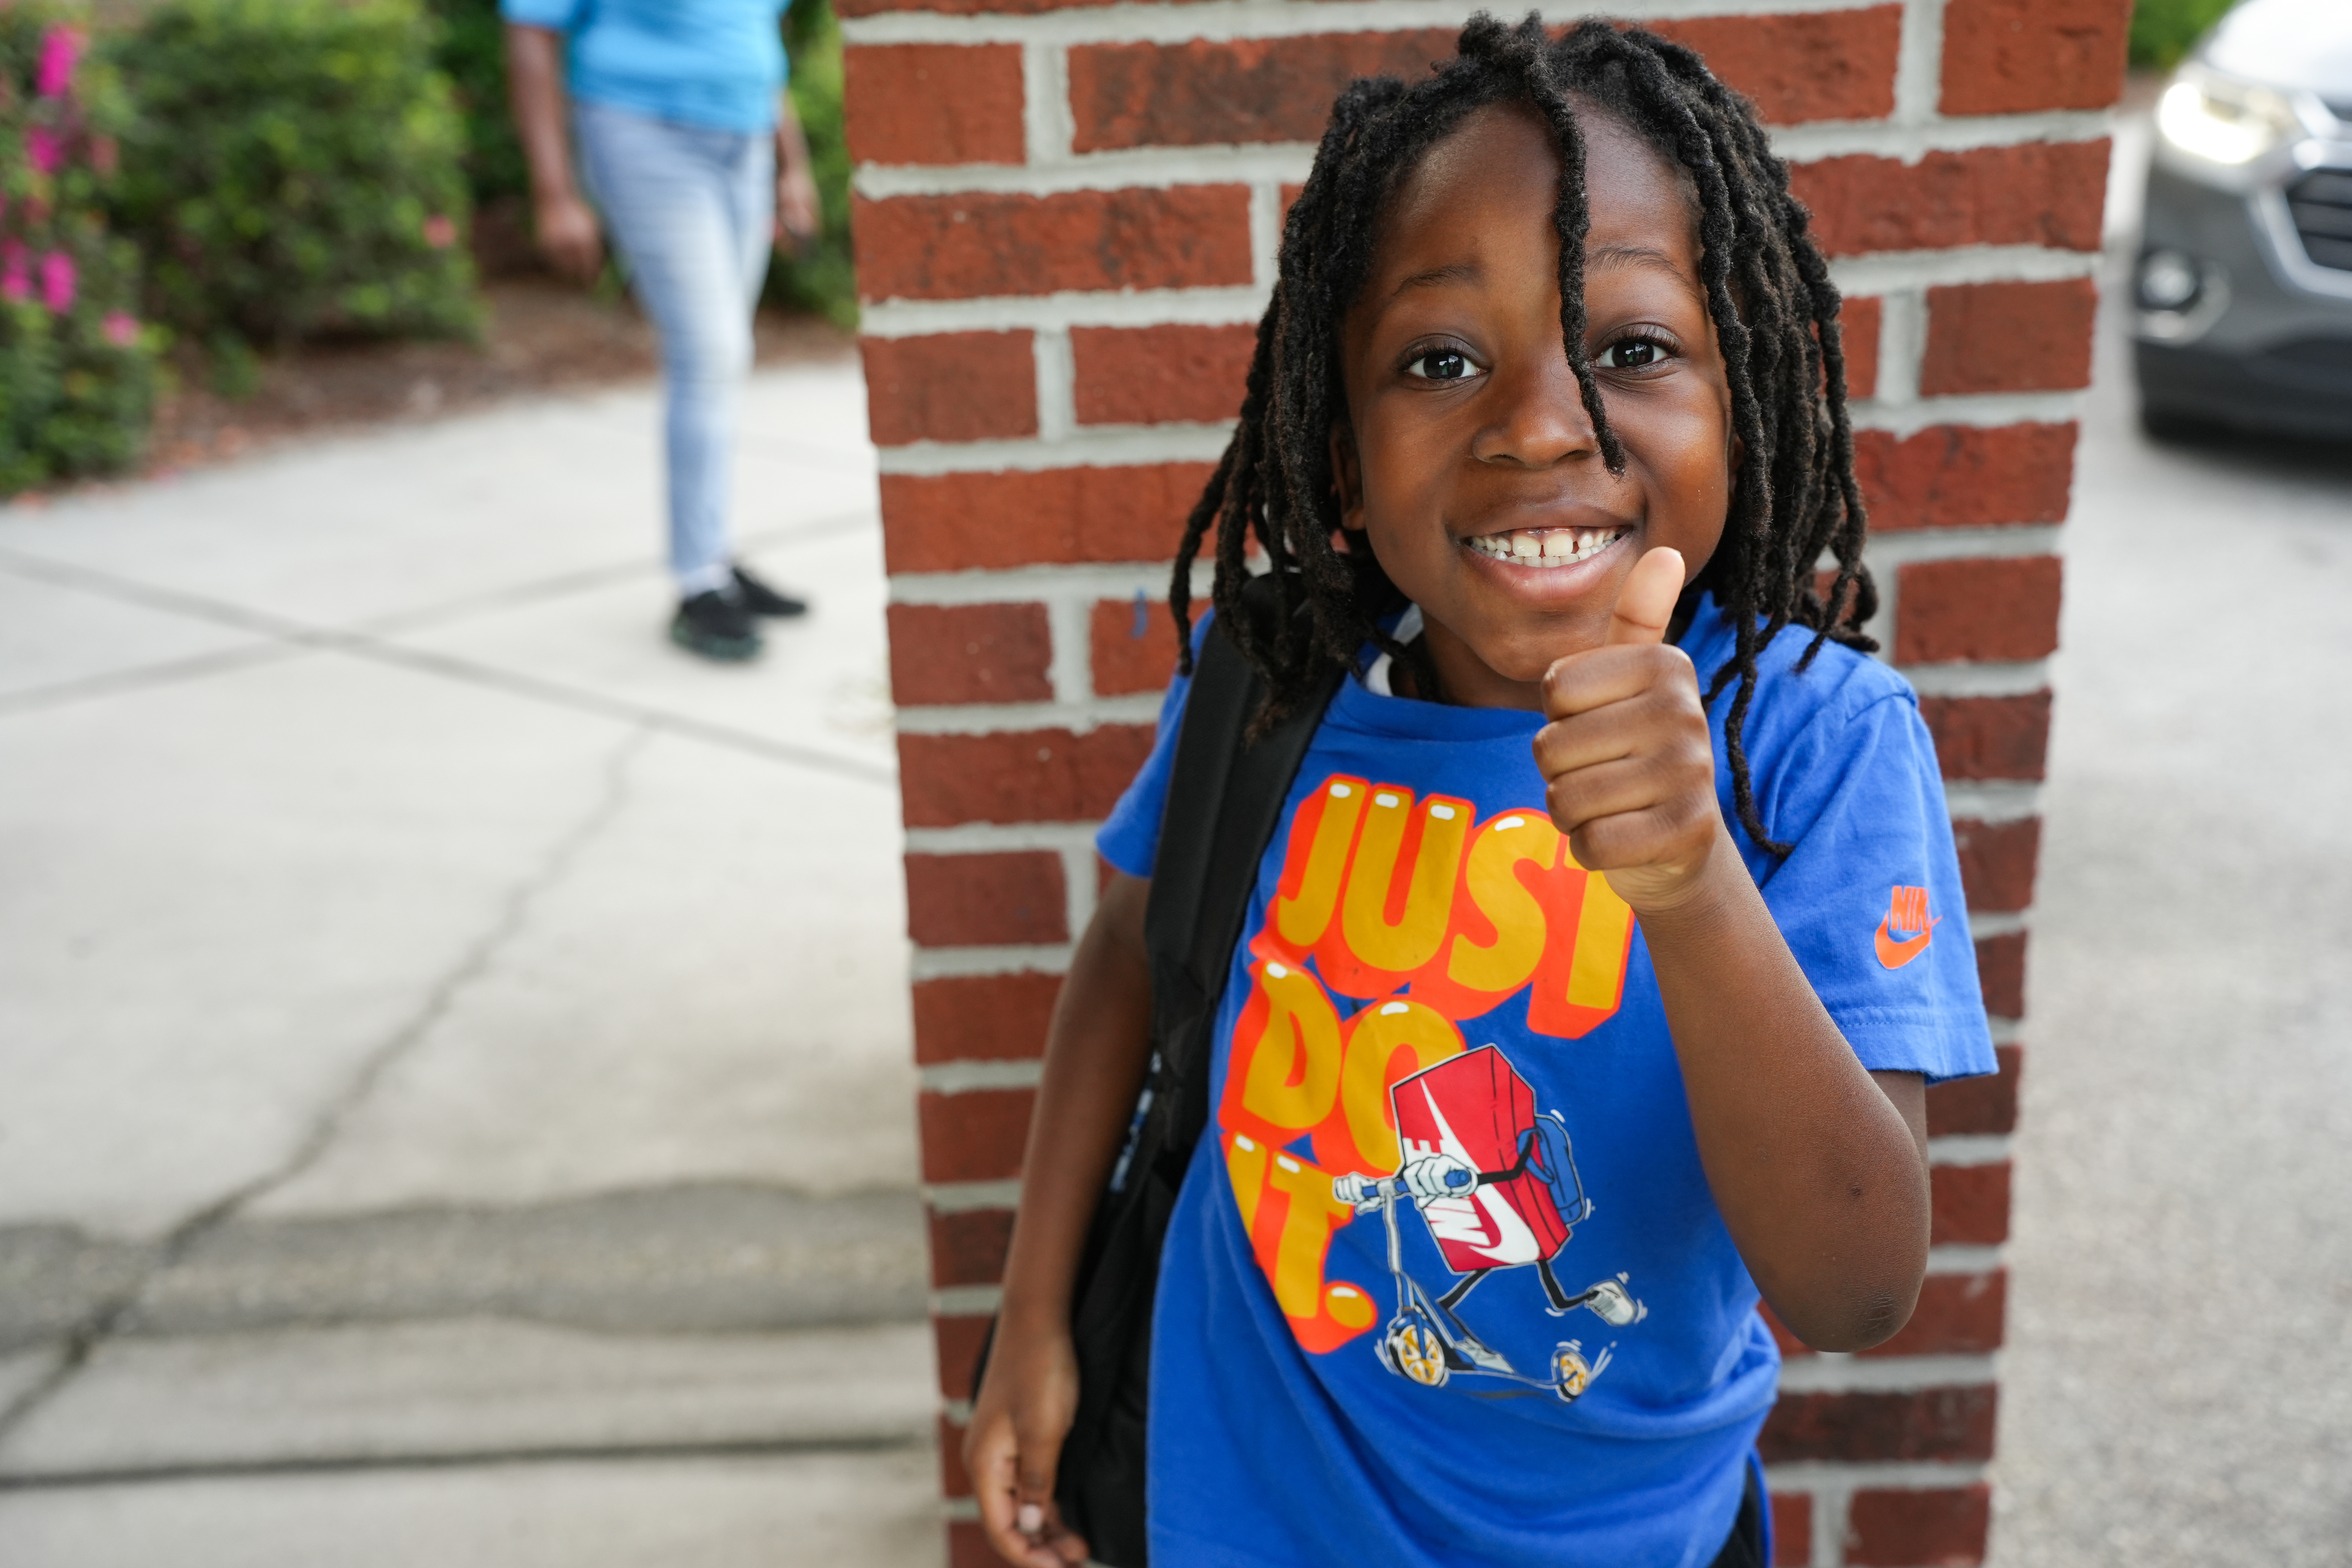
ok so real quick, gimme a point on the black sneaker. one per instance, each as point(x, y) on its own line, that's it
point(761, 600)
point(716, 626)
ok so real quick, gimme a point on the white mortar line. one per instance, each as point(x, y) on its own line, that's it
point(1970, 1149)
point(997, 718)
point(1897, 547)
point(1880, 271)
point(1046, 127)
point(1056, 375)
point(1919, 64)
point(1963, 1259)
point(963, 1197)
point(1978, 679)
point(967, 1301)
point(1983, 926)
point(982, 1073)
point(1081, 584)
point(1094, 447)
point(1040, 312)
point(942, 962)
point(1902, 341)
point(1988, 800)
point(999, 838)
point(1835, 1374)
point(1984, 411)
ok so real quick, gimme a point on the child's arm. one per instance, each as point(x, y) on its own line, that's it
point(1820, 1173)
point(1095, 1053)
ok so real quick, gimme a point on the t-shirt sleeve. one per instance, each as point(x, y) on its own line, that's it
point(1129, 837)
point(1870, 900)
point(556, 15)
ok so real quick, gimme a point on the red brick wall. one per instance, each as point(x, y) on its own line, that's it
point(1066, 218)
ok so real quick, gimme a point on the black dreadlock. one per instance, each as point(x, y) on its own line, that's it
point(1768, 290)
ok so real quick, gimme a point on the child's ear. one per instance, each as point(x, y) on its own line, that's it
point(1347, 477)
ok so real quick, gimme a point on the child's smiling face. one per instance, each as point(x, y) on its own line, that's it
point(1471, 466)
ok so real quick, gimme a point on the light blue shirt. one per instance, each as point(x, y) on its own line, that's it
point(715, 63)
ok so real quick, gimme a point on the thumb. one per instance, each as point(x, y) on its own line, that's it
point(1647, 603)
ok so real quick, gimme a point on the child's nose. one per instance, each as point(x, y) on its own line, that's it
point(1538, 416)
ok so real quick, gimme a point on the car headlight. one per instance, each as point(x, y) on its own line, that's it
point(2224, 120)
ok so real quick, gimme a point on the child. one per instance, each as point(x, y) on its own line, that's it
point(1597, 948)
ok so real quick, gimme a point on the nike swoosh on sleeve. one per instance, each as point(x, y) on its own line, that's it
point(1896, 954)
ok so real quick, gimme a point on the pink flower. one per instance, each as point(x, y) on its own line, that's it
point(439, 232)
point(60, 52)
point(15, 276)
point(121, 330)
point(58, 280)
point(44, 149)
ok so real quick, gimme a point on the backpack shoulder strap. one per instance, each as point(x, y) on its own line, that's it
point(1224, 803)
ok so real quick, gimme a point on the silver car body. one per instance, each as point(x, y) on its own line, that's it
point(2244, 277)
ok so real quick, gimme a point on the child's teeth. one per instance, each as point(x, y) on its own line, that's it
point(1547, 546)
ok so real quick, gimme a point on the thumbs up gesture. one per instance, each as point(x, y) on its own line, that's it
point(1628, 764)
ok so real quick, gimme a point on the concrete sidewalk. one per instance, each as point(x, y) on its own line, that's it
point(459, 1104)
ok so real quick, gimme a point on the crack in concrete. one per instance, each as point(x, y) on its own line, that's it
point(106, 1320)
point(377, 649)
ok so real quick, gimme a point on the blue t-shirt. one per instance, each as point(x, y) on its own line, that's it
point(1441, 1057)
point(715, 63)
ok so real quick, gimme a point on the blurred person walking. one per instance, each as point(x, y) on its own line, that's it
point(689, 147)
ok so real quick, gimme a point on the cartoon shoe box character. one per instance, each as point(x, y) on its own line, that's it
point(1475, 1109)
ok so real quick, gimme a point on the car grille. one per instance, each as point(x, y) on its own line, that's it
point(2322, 204)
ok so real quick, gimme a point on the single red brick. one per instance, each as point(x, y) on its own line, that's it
point(950, 386)
point(2012, 56)
point(959, 1340)
point(981, 900)
point(976, 244)
point(1966, 476)
point(984, 1017)
point(1037, 775)
point(1971, 1204)
point(1887, 1428)
point(1978, 1105)
point(1792, 1529)
point(1859, 321)
point(1958, 1314)
point(1201, 93)
point(2008, 337)
point(951, 522)
point(1996, 860)
point(933, 104)
point(1143, 376)
point(1926, 1528)
point(1133, 643)
point(968, 1246)
point(975, 1136)
point(955, 1480)
point(2034, 193)
point(2001, 973)
point(968, 1545)
point(969, 653)
point(1991, 609)
point(1817, 64)
point(1989, 737)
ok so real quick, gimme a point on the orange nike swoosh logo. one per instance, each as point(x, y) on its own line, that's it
point(1896, 954)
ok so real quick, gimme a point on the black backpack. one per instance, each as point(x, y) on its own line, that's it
point(1225, 801)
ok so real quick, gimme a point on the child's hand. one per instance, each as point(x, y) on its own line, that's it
point(1024, 1409)
point(1628, 764)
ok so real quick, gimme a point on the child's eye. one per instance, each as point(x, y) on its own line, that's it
point(1632, 353)
point(1441, 364)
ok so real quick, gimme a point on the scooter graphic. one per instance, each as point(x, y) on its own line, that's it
point(1485, 1215)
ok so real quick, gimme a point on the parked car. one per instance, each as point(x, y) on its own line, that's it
point(2244, 276)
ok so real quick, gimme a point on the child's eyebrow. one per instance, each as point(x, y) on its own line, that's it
point(1631, 255)
point(1452, 272)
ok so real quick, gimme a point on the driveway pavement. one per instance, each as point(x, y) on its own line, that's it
point(459, 1104)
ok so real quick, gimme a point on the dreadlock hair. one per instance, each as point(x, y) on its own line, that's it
point(1768, 290)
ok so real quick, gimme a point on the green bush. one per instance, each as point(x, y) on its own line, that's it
point(293, 170)
point(2164, 30)
point(472, 55)
point(77, 370)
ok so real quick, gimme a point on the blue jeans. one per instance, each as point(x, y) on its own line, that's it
point(691, 211)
